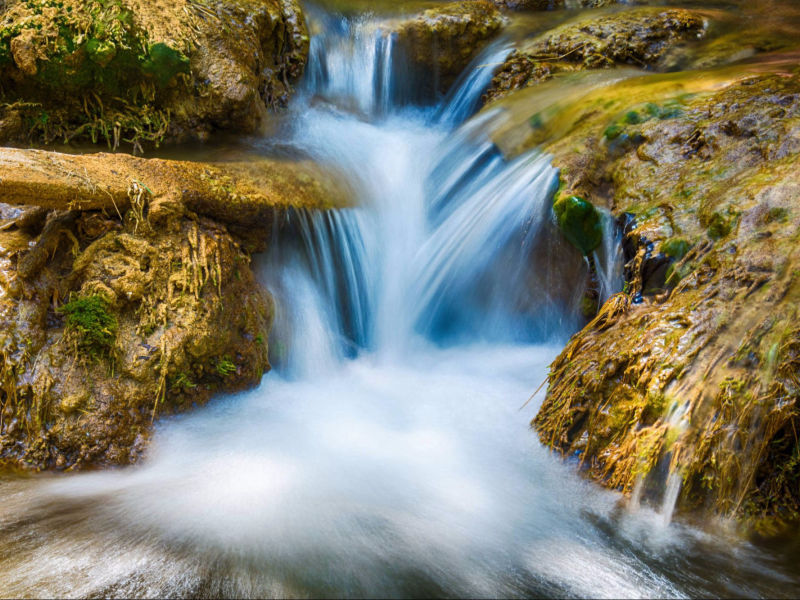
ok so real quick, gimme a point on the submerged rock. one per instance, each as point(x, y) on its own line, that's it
point(143, 72)
point(692, 370)
point(639, 36)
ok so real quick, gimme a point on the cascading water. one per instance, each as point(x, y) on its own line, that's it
point(387, 455)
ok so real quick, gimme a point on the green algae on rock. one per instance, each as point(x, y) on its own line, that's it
point(141, 71)
point(580, 223)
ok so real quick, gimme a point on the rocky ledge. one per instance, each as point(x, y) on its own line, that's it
point(691, 372)
point(127, 294)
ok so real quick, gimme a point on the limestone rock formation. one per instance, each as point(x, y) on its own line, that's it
point(144, 71)
point(703, 176)
point(441, 41)
point(126, 293)
point(639, 37)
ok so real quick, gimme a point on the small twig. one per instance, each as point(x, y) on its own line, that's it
point(539, 389)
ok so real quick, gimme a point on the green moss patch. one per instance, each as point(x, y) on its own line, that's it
point(675, 248)
point(89, 317)
point(580, 222)
point(89, 61)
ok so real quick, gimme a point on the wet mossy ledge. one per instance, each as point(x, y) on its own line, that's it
point(689, 373)
point(126, 294)
point(138, 73)
point(640, 37)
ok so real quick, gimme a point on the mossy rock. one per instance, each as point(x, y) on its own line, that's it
point(442, 40)
point(640, 36)
point(580, 222)
point(159, 326)
point(713, 187)
point(145, 72)
point(90, 318)
point(676, 248)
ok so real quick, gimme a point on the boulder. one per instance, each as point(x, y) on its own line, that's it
point(126, 294)
point(689, 374)
point(440, 42)
point(639, 37)
point(142, 72)
point(107, 324)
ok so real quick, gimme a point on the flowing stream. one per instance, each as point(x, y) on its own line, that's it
point(389, 452)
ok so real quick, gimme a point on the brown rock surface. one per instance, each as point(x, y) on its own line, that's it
point(639, 37)
point(703, 168)
point(144, 71)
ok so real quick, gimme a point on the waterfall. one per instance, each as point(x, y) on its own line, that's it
point(352, 62)
point(386, 454)
point(464, 99)
point(439, 246)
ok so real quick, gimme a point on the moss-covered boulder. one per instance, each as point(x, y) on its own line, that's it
point(143, 72)
point(691, 370)
point(639, 37)
point(441, 41)
point(126, 293)
point(106, 324)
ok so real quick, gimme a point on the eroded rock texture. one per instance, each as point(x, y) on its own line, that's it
point(692, 370)
point(144, 71)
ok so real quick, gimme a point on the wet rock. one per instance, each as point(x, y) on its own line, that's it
point(580, 223)
point(639, 36)
point(143, 72)
point(105, 335)
point(126, 293)
point(442, 41)
point(692, 369)
point(246, 193)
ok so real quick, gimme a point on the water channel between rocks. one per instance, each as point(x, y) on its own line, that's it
point(387, 454)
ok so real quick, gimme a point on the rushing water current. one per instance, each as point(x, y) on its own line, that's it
point(389, 452)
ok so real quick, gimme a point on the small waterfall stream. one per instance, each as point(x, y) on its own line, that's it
point(387, 454)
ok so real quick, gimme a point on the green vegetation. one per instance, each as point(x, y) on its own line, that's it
point(580, 222)
point(648, 111)
point(94, 325)
point(676, 248)
point(225, 367)
point(120, 60)
point(89, 55)
point(721, 224)
point(182, 382)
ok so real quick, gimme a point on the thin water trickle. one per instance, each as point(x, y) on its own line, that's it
point(387, 454)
